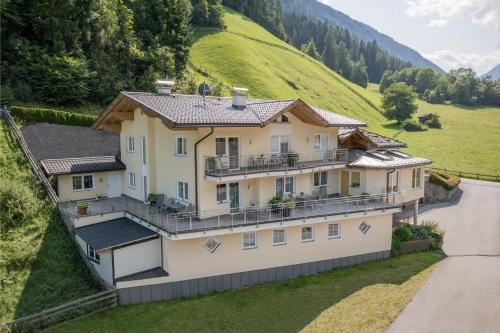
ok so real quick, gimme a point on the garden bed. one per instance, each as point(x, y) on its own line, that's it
point(409, 238)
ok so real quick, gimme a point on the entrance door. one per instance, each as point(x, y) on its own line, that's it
point(234, 195)
point(344, 183)
point(234, 152)
point(114, 184)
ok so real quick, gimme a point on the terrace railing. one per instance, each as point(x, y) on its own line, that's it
point(187, 222)
point(220, 166)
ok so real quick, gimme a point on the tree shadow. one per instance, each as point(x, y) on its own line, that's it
point(287, 306)
point(57, 274)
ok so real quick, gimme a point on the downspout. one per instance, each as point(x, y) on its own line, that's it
point(196, 165)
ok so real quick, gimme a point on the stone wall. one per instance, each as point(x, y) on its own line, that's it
point(435, 193)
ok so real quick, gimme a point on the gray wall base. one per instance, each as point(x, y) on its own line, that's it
point(187, 288)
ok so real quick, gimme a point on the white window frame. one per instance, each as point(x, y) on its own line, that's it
point(394, 181)
point(131, 181)
point(244, 244)
point(334, 235)
point(280, 137)
point(283, 184)
point(83, 183)
point(320, 137)
point(350, 179)
point(130, 144)
point(319, 175)
point(225, 199)
point(184, 196)
point(285, 237)
point(302, 234)
point(416, 172)
point(183, 152)
point(93, 255)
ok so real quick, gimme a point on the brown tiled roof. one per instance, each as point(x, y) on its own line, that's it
point(66, 166)
point(190, 110)
point(378, 140)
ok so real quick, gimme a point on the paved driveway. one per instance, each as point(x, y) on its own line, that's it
point(463, 293)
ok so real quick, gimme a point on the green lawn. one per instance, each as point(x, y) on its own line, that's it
point(39, 264)
point(364, 298)
point(469, 140)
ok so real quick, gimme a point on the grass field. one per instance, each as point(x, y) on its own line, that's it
point(39, 265)
point(329, 301)
point(469, 140)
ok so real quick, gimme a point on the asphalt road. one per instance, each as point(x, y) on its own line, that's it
point(463, 293)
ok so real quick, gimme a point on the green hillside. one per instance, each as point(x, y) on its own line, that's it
point(249, 56)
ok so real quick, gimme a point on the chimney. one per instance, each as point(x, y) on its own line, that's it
point(239, 97)
point(164, 87)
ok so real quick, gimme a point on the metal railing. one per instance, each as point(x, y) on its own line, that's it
point(295, 210)
point(247, 164)
point(95, 206)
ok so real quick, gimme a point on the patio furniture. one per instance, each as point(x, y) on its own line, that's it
point(323, 194)
point(160, 200)
point(315, 194)
point(174, 207)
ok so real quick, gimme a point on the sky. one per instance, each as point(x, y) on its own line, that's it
point(450, 33)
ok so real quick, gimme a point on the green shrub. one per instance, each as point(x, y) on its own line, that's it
point(29, 115)
point(396, 246)
point(18, 205)
point(5, 95)
point(403, 233)
point(433, 122)
point(412, 126)
point(445, 180)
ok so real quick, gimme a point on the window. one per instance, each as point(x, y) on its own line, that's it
point(182, 190)
point(279, 237)
point(280, 144)
point(82, 183)
point(131, 179)
point(285, 186)
point(321, 178)
point(249, 240)
point(321, 142)
point(220, 146)
point(181, 147)
point(355, 179)
point(334, 230)
point(211, 244)
point(130, 144)
point(393, 181)
point(415, 178)
point(307, 234)
point(93, 255)
point(284, 119)
point(221, 193)
point(143, 150)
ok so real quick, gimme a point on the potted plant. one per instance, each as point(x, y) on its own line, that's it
point(152, 198)
point(82, 207)
point(275, 203)
point(287, 207)
point(292, 159)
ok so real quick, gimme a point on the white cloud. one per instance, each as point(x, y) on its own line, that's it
point(450, 60)
point(482, 12)
point(439, 23)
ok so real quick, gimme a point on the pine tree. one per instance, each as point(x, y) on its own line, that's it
point(330, 53)
point(359, 74)
point(309, 48)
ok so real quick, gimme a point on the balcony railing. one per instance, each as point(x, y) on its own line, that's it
point(219, 219)
point(219, 166)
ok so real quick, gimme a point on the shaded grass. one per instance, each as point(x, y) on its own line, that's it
point(39, 264)
point(380, 290)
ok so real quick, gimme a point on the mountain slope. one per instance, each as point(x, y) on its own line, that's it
point(494, 72)
point(249, 56)
point(362, 31)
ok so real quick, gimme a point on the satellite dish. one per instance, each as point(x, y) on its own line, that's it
point(204, 89)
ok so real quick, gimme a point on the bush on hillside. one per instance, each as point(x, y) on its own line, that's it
point(433, 122)
point(17, 207)
point(412, 126)
point(29, 115)
point(445, 180)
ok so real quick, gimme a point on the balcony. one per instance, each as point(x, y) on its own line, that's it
point(251, 166)
point(203, 221)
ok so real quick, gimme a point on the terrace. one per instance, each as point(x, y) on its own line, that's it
point(202, 221)
point(218, 167)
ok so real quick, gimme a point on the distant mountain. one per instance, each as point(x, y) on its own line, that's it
point(494, 72)
point(362, 30)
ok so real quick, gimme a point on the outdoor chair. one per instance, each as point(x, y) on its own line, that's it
point(315, 194)
point(323, 192)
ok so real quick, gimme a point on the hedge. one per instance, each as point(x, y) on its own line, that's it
point(30, 115)
point(447, 181)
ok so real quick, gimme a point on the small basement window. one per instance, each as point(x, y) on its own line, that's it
point(307, 234)
point(334, 230)
point(249, 240)
point(93, 255)
point(279, 237)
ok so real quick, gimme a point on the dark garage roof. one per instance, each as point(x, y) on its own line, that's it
point(67, 166)
point(53, 141)
point(114, 233)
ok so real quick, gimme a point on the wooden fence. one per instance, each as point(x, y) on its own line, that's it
point(470, 175)
point(72, 310)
